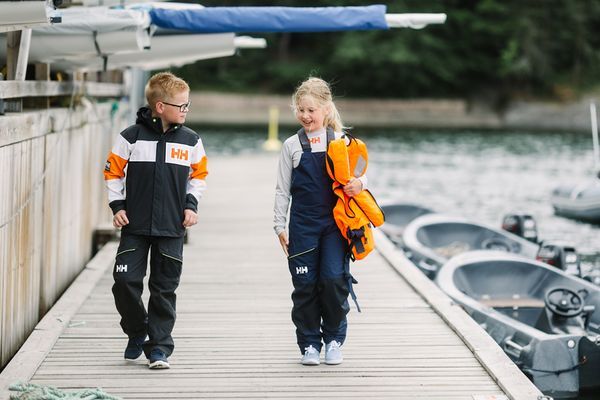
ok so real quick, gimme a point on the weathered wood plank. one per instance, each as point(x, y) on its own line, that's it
point(234, 337)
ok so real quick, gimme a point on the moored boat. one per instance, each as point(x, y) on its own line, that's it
point(546, 321)
point(398, 216)
point(580, 202)
point(431, 240)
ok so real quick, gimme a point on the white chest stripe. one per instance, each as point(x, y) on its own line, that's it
point(144, 150)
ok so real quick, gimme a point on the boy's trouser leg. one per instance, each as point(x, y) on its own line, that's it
point(128, 274)
point(166, 259)
point(306, 312)
point(333, 286)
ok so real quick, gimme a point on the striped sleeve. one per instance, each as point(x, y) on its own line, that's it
point(196, 184)
point(114, 173)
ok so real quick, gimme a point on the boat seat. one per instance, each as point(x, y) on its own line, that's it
point(510, 302)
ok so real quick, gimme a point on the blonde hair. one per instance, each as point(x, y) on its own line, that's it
point(320, 91)
point(162, 86)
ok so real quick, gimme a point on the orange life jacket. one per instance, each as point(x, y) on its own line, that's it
point(355, 215)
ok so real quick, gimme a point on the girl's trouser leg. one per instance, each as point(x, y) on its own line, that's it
point(333, 286)
point(306, 312)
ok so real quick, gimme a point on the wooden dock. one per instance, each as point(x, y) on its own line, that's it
point(234, 337)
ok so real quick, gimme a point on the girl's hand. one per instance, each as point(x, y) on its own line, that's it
point(353, 187)
point(283, 240)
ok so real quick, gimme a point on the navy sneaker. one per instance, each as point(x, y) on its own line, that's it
point(158, 360)
point(134, 348)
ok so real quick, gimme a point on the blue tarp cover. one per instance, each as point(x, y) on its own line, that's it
point(271, 19)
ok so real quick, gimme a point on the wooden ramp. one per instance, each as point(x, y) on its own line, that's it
point(234, 337)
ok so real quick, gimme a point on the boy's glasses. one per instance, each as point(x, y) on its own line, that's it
point(185, 107)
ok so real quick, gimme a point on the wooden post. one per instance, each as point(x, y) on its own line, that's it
point(17, 56)
point(2, 104)
point(42, 73)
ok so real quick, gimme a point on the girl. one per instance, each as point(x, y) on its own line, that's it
point(317, 253)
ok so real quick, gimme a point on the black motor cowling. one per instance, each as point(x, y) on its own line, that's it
point(522, 225)
point(560, 255)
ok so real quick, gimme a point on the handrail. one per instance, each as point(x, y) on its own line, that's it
point(19, 89)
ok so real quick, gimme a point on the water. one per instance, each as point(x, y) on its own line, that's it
point(481, 175)
point(476, 174)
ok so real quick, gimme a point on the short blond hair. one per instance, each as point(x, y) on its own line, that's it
point(162, 86)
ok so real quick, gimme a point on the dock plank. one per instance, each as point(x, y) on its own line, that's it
point(234, 336)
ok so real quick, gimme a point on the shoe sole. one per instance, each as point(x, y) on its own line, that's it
point(132, 358)
point(310, 362)
point(334, 362)
point(159, 365)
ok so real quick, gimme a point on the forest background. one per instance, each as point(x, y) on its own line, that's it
point(491, 51)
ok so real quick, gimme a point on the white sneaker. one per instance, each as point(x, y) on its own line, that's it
point(333, 353)
point(311, 356)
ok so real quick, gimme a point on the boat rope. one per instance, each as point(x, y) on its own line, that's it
point(557, 372)
point(31, 391)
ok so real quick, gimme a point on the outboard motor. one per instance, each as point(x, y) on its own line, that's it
point(560, 255)
point(522, 225)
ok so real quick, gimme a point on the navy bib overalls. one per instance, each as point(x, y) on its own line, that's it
point(318, 253)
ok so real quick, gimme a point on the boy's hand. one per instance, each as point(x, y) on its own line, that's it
point(120, 219)
point(283, 240)
point(190, 218)
point(353, 187)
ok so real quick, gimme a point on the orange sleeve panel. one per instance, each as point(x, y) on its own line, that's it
point(199, 170)
point(115, 167)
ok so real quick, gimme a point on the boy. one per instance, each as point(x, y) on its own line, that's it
point(166, 171)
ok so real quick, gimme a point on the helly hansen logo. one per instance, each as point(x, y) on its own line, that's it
point(179, 154)
point(315, 140)
point(121, 268)
point(301, 270)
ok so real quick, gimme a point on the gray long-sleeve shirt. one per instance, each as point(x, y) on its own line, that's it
point(291, 152)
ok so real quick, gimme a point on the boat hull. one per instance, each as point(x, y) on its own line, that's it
point(504, 294)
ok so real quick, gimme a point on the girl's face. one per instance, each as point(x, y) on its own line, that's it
point(310, 114)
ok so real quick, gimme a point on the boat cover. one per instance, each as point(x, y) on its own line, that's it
point(271, 19)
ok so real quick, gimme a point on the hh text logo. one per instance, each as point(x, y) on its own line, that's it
point(315, 140)
point(301, 270)
point(179, 154)
point(121, 268)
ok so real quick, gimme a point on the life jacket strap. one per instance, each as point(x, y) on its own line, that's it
point(355, 237)
point(351, 283)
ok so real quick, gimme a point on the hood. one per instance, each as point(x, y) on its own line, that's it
point(144, 117)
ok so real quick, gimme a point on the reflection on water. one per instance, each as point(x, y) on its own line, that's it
point(476, 174)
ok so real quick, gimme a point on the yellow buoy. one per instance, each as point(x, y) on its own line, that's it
point(273, 143)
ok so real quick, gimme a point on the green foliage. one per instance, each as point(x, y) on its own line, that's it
point(505, 48)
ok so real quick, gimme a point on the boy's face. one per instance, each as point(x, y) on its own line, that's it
point(310, 115)
point(173, 110)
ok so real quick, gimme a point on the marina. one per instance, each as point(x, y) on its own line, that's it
point(484, 282)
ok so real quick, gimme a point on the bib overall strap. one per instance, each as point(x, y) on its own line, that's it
point(306, 143)
point(304, 140)
point(330, 135)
